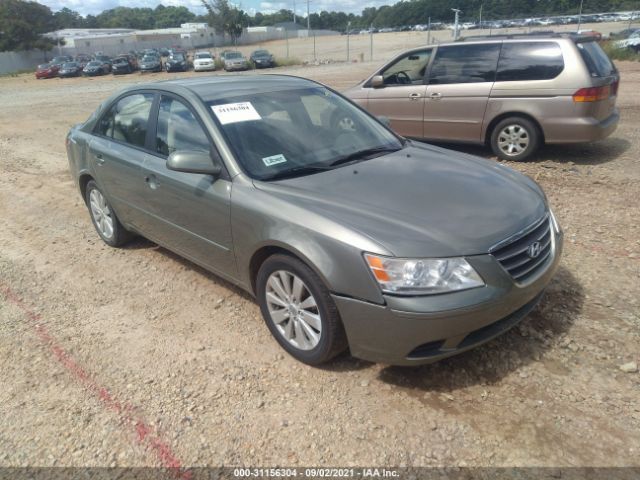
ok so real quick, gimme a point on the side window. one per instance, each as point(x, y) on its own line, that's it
point(407, 70)
point(529, 61)
point(178, 129)
point(465, 64)
point(127, 120)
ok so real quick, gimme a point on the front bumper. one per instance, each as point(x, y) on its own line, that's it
point(420, 330)
point(204, 68)
point(237, 67)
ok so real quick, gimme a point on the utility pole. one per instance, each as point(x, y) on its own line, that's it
point(429, 31)
point(294, 11)
point(580, 15)
point(481, 5)
point(348, 34)
point(371, 42)
point(308, 20)
point(455, 25)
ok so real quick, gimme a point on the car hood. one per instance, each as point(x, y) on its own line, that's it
point(421, 201)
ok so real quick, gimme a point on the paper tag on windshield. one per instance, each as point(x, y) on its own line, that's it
point(274, 160)
point(235, 112)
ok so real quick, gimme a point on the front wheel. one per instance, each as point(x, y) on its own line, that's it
point(299, 311)
point(104, 218)
point(515, 138)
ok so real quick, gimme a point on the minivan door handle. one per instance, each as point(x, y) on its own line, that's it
point(414, 96)
point(435, 96)
point(99, 158)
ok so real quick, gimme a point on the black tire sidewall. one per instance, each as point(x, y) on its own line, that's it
point(331, 336)
point(529, 126)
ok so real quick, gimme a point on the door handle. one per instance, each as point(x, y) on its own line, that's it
point(435, 96)
point(151, 181)
point(414, 96)
point(99, 158)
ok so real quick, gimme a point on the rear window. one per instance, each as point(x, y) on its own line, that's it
point(529, 61)
point(596, 60)
point(465, 64)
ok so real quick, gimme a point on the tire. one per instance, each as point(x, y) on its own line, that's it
point(316, 335)
point(99, 207)
point(515, 138)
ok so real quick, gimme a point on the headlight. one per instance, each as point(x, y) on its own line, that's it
point(554, 222)
point(422, 276)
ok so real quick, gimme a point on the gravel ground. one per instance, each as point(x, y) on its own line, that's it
point(135, 357)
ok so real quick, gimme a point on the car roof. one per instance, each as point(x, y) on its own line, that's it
point(214, 88)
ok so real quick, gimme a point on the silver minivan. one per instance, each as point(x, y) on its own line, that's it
point(513, 93)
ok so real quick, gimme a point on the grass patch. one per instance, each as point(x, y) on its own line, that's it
point(617, 53)
point(288, 62)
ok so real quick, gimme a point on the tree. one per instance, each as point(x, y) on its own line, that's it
point(67, 18)
point(22, 25)
point(225, 18)
point(168, 17)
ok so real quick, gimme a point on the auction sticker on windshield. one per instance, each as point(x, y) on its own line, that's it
point(274, 160)
point(235, 112)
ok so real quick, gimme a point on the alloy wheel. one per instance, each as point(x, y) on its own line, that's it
point(513, 140)
point(101, 213)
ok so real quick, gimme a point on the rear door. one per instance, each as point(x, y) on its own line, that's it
point(401, 99)
point(188, 212)
point(460, 82)
point(117, 153)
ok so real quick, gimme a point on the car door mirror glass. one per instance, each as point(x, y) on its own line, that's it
point(377, 81)
point(193, 161)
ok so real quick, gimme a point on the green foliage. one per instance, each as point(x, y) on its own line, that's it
point(617, 53)
point(226, 18)
point(22, 25)
point(287, 62)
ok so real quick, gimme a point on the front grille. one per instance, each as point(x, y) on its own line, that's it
point(514, 255)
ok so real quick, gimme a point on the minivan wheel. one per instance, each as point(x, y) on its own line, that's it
point(299, 311)
point(104, 218)
point(515, 138)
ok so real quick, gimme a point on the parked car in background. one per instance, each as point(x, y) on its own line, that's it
point(425, 253)
point(164, 52)
point(59, 60)
point(513, 93)
point(95, 67)
point(203, 62)
point(234, 61)
point(47, 70)
point(262, 59)
point(632, 41)
point(121, 65)
point(151, 63)
point(105, 60)
point(70, 69)
point(82, 59)
point(177, 62)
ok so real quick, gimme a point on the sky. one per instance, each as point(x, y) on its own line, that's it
point(94, 7)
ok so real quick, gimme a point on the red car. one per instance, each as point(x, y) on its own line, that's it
point(47, 70)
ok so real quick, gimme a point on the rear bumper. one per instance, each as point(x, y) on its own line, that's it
point(580, 129)
point(420, 330)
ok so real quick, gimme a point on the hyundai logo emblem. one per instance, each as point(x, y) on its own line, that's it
point(534, 249)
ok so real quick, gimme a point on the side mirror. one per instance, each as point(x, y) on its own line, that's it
point(191, 161)
point(377, 81)
point(384, 120)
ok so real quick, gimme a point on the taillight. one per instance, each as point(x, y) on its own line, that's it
point(592, 94)
point(614, 87)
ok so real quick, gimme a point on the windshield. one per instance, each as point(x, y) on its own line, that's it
point(260, 53)
point(93, 64)
point(149, 58)
point(203, 55)
point(177, 58)
point(121, 60)
point(296, 132)
point(233, 55)
point(69, 65)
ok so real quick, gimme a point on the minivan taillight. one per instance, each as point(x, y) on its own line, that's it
point(592, 94)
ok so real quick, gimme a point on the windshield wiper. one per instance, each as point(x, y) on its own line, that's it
point(363, 155)
point(296, 171)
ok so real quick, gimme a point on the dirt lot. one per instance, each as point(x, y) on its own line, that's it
point(135, 357)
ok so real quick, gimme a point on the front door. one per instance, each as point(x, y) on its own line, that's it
point(460, 82)
point(188, 212)
point(401, 98)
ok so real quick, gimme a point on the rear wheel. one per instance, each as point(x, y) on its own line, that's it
point(515, 138)
point(104, 218)
point(299, 311)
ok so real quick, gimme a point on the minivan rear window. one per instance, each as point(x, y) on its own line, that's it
point(529, 61)
point(597, 61)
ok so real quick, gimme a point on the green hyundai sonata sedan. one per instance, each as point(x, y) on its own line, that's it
point(349, 236)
